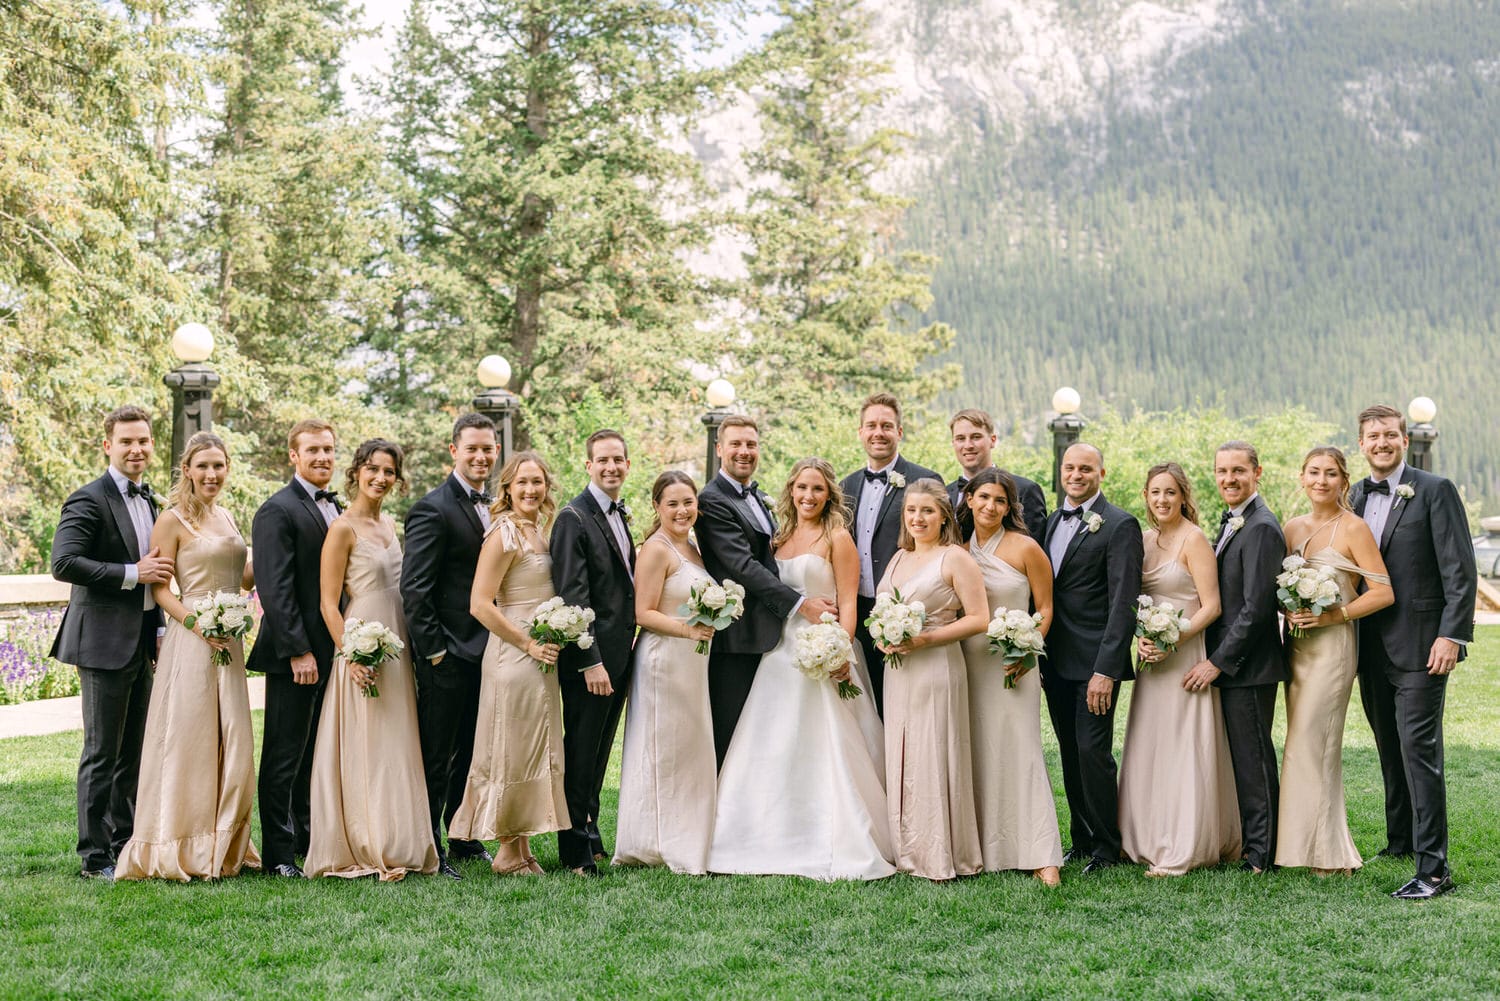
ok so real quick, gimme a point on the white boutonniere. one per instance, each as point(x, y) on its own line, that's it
point(1236, 523)
point(1092, 522)
point(897, 481)
point(1406, 491)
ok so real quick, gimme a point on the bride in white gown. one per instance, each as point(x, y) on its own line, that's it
point(801, 792)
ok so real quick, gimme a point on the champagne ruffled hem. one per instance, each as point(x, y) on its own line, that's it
point(202, 856)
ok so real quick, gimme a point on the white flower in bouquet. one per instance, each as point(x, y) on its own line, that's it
point(223, 615)
point(369, 644)
point(822, 650)
point(893, 621)
point(715, 605)
point(1304, 587)
point(557, 622)
point(1016, 637)
point(1160, 622)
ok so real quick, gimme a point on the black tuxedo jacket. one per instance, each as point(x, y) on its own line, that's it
point(288, 532)
point(888, 526)
point(1033, 506)
point(735, 548)
point(588, 570)
point(1094, 597)
point(1244, 642)
point(1430, 558)
point(94, 541)
point(443, 539)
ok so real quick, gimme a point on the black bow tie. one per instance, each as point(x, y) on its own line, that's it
point(1072, 512)
point(751, 489)
point(872, 477)
point(481, 497)
point(961, 482)
point(331, 496)
point(139, 490)
point(1224, 518)
point(1381, 487)
point(618, 507)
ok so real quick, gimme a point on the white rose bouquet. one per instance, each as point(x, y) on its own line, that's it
point(369, 644)
point(893, 621)
point(1016, 637)
point(1303, 587)
point(223, 615)
point(557, 622)
point(823, 650)
point(716, 605)
point(1161, 622)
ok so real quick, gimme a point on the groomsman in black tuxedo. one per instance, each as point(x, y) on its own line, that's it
point(110, 631)
point(974, 447)
point(593, 566)
point(1407, 651)
point(1096, 554)
point(293, 647)
point(735, 531)
point(874, 496)
point(444, 532)
point(1246, 661)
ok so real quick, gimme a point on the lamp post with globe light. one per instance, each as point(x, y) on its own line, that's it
point(192, 384)
point(1421, 411)
point(498, 403)
point(720, 395)
point(1065, 428)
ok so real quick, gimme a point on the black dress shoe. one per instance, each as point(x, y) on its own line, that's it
point(105, 875)
point(1425, 889)
point(445, 868)
point(1075, 855)
point(287, 870)
point(1099, 865)
point(1396, 853)
point(464, 851)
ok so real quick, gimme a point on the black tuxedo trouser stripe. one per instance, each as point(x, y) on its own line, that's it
point(874, 659)
point(1248, 713)
point(730, 677)
point(285, 782)
point(447, 717)
point(1085, 744)
point(1405, 710)
point(114, 705)
point(589, 726)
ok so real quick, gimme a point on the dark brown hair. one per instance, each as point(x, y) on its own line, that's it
point(1013, 520)
point(125, 415)
point(664, 480)
point(471, 420)
point(880, 400)
point(604, 434)
point(1380, 412)
point(364, 453)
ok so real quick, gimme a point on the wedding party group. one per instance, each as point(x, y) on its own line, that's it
point(842, 680)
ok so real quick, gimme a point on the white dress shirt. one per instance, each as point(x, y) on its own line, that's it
point(141, 521)
point(1378, 507)
point(325, 506)
point(616, 523)
point(866, 520)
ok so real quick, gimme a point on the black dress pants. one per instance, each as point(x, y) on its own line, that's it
point(1085, 743)
point(114, 725)
point(589, 726)
point(284, 786)
point(447, 715)
point(1248, 713)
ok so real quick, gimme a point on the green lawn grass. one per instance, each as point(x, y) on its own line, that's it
point(649, 933)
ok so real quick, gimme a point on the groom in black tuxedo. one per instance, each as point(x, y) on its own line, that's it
point(593, 566)
point(735, 530)
point(1407, 651)
point(1245, 660)
point(110, 631)
point(974, 440)
point(874, 497)
point(293, 648)
point(1096, 555)
point(444, 533)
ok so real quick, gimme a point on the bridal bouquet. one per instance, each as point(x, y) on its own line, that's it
point(716, 605)
point(1016, 637)
point(824, 649)
point(1161, 622)
point(369, 644)
point(223, 615)
point(893, 621)
point(558, 622)
point(1303, 587)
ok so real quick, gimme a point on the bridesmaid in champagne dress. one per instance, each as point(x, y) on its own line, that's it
point(515, 784)
point(1177, 804)
point(369, 794)
point(667, 774)
point(1013, 795)
point(192, 818)
point(1313, 830)
point(929, 762)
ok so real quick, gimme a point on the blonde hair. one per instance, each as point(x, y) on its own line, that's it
point(508, 475)
point(184, 496)
point(1337, 456)
point(949, 536)
point(833, 517)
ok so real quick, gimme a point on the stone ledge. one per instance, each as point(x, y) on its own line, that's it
point(32, 589)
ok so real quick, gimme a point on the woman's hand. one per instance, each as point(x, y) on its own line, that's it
point(1305, 619)
point(842, 674)
point(360, 674)
point(217, 642)
point(1149, 651)
point(1015, 669)
point(542, 653)
point(701, 633)
point(912, 645)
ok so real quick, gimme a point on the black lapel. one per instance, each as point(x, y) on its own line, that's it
point(602, 521)
point(891, 491)
point(1083, 529)
point(461, 497)
point(116, 504)
point(311, 506)
point(1358, 498)
point(1399, 505)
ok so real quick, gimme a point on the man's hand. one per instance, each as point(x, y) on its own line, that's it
point(597, 678)
point(1444, 656)
point(813, 609)
point(437, 658)
point(1101, 694)
point(1201, 676)
point(153, 568)
point(305, 669)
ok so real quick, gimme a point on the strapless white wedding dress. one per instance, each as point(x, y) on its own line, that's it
point(801, 792)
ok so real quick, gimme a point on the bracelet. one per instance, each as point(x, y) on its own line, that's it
point(1345, 612)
